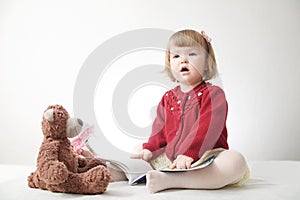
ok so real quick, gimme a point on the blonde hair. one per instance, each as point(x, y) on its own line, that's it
point(185, 38)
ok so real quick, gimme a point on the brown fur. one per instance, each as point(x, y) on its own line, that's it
point(59, 169)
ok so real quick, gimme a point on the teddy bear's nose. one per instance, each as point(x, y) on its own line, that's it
point(49, 115)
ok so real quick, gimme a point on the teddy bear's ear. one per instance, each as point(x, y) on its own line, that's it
point(48, 115)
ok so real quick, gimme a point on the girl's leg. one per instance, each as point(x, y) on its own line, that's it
point(229, 167)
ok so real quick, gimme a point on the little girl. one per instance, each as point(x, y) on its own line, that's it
point(191, 122)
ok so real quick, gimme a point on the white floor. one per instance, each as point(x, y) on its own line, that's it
point(269, 180)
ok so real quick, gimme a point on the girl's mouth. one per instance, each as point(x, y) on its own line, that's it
point(184, 69)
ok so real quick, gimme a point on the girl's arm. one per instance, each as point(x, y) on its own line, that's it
point(157, 139)
point(144, 154)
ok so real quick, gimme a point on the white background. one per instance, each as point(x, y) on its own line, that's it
point(43, 45)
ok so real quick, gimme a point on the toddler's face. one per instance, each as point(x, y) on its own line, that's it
point(188, 64)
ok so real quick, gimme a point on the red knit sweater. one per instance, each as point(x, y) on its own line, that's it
point(190, 123)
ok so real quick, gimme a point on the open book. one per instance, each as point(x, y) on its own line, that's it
point(136, 170)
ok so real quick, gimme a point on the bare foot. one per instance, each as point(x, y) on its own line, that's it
point(157, 181)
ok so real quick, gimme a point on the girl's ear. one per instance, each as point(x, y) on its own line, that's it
point(206, 66)
point(205, 73)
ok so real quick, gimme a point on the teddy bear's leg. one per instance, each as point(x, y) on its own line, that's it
point(97, 179)
point(94, 181)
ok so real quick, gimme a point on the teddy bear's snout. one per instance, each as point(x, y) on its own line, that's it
point(74, 126)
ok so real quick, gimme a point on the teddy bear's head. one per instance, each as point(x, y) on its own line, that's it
point(58, 124)
point(54, 122)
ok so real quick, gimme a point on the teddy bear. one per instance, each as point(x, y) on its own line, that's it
point(59, 169)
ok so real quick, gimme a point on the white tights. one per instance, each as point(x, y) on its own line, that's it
point(228, 168)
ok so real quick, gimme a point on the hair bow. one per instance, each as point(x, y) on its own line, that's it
point(208, 39)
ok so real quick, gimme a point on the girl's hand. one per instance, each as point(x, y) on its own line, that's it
point(144, 154)
point(182, 162)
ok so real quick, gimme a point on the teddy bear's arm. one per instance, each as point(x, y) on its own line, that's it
point(50, 169)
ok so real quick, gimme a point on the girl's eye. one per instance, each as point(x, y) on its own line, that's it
point(192, 54)
point(176, 56)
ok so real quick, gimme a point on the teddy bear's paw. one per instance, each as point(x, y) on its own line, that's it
point(54, 172)
point(98, 176)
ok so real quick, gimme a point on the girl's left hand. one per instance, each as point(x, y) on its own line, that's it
point(182, 162)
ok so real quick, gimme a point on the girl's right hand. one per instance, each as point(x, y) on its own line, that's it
point(144, 154)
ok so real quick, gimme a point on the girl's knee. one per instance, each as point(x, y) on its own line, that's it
point(236, 161)
point(240, 164)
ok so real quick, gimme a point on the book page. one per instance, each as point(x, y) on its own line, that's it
point(133, 168)
point(136, 166)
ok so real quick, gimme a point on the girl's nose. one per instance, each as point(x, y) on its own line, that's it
point(184, 59)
